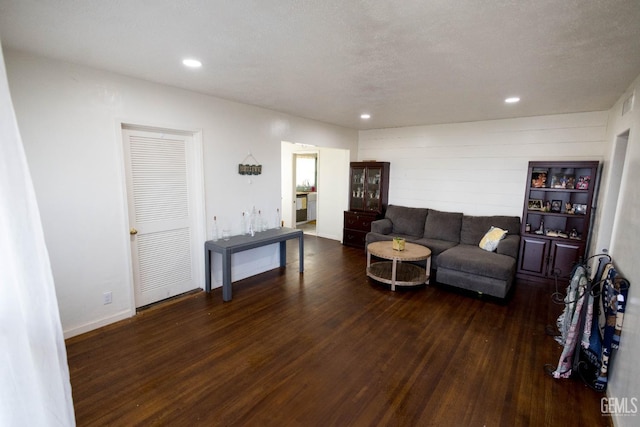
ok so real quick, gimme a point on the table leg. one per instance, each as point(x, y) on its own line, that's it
point(428, 272)
point(207, 270)
point(283, 253)
point(301, 252)
point(226, 276)
point(393, 274)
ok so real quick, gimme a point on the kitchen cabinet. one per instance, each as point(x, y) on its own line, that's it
point(312, 206)
point(301, 208)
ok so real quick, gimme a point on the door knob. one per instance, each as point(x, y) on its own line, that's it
point(133, 231)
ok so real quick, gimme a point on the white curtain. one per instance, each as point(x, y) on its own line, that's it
point(34, 375)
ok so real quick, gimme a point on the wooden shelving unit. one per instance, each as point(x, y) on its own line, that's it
point(556, 218)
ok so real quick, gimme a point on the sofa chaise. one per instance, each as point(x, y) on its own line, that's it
point(454, 239)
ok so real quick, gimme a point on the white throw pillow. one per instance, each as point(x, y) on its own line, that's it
point(491, 239)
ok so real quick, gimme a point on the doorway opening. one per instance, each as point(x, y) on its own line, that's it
point(331, 189)
point(306, 182)
point(618, 162)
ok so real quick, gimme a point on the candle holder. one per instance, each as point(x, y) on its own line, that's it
point(398, 243)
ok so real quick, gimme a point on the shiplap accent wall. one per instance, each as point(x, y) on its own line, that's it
point(479, 168)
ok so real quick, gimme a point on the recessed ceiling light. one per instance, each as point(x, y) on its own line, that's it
point(192, 63)
point(512, 100)
point(365, 116)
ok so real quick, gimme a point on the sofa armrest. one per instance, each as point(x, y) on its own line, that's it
point(382, 226)
point(509, 246)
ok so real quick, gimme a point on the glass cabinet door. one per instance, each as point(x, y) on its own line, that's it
point(372, 189)
point(358, 188)
point(368, 186)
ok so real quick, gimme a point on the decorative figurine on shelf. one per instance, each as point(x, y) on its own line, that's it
point(547, 206)
point(539, 179)
point(541, 229)
point(568, 208)
point(583, 183)
point(573, 234)
point(563, 181)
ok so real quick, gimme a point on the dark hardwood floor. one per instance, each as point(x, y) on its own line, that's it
point(329, 347)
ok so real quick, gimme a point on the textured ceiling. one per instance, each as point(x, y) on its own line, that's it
point(407, 62)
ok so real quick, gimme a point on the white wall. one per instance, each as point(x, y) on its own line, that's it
point(479, 168)
point(624, 247)
point(69, 118)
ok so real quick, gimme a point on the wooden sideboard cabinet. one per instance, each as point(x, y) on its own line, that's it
point(368, 198)
point(356, 227)
point(556, 218)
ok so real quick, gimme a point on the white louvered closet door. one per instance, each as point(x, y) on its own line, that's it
point(160, 224)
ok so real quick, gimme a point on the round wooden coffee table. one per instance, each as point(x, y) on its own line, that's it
point(395, 271)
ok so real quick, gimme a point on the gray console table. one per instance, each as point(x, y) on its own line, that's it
point(243, 243)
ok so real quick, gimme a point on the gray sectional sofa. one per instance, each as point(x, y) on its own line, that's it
point(456, 258)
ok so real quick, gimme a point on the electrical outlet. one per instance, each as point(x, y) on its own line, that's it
point(106, 298)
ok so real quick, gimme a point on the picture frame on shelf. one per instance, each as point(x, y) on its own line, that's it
point(563, 181)
point(556, 206)
point(568, 208)
point(583, 182)
point(580, 209)
point(535, 205)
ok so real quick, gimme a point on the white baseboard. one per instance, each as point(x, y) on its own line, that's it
point(125, 314)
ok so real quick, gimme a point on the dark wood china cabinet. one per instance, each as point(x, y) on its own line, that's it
point(368, 198)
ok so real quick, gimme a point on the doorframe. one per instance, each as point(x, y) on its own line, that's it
point(288, 178)
point(195, 157)
point(304, 151)
point(329, 208)
point(617, 181)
